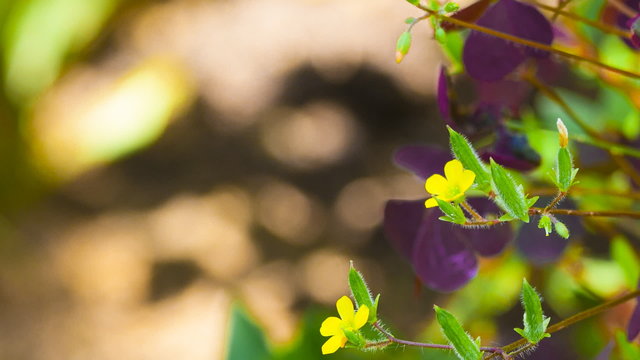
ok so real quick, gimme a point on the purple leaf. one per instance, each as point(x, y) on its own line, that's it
point(538, 248)
point(513, 151)
point(633, 328)
point(423, 161)
point(441, 261)
point(402, 219)
point(490, 58)
point(487, 241)
point(444, 105)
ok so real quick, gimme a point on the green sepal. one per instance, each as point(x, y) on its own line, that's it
point(409, 20)
point(354, 337)
point(440, 35)
point(564, 170)
point(509, 194)
point(532, 201)
point(464, 151)
point(464, 346)
point(362, 294)
point(545, 223)
point(535, 323)
point(452, 211)
point(561, 229)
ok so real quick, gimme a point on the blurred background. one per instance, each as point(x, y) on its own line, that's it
point(188, 179)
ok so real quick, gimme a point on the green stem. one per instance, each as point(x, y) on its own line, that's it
point(561, 195)
point(604, 213)
point(570, 15)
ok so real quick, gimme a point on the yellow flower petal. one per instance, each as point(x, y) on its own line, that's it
point(331, 326)
point(453, 169)
point(431, 202)
point(333, 344)
point(361, 317)
point(436, 184)
point(345, 309)
point(466, 180)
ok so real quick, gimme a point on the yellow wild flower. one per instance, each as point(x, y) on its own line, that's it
point(335, 327)
point(450, 187)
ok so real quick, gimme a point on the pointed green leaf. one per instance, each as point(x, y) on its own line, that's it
point(414, 2)
point(463, 345)
point(535, 323)
point(625, 255)
point(564, 170)
point(628, 350)
point(561, 229)
point(453, 211)
point(361, 292)
point(467, 155)
point(509, 194)
point(532, 201)
point(506, 217)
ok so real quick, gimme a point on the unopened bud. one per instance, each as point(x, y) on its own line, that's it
point(563, 133)
point(402, 46)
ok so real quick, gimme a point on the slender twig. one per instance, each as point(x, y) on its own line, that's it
point(482, 223)
point(577, 190)
point(472, 211)
point(530, 43)
point(623, 8)
point(604, 213)
point(561, 195)
point(393, 339)
point(561, 6)
point(570, 15)
point(519, 344)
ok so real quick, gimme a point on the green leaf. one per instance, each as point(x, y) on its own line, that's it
point(414, 2)
point(564, 170)
point(409, 20)
point(246, 340)
point(452, 47)
point(545, 223)
point(509, 194)
point(362, 294)
point(453, 212)
point(354, 337)
point(467, 155)
point(628, 350)
point(463, 345)
point(440, 35)
point(625, 255)
point(532, 201)
point(535, 323)
point(561, 229)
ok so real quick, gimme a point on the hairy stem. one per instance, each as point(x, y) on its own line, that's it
point(561, 195)
point(517, 346)
point(603, 213)
point(472, 211)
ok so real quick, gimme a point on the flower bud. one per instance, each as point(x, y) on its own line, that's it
point(402, 46)
point(563, 133)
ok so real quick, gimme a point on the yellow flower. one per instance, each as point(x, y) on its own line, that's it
point(457, 181)
point(335, 327)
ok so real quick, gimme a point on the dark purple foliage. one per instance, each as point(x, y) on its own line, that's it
point(634, 26)
point(513, 151)
point(540, 249)
point(490, 58)
point(442, 254)
point(633, 328)
point(625, 22)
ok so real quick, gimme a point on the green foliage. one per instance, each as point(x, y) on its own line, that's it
point(362, 294)
point(464, 151)
point(509, 194)
point(565, 173)
point(535, 323)
point(246, 340)
point(451, 7)
point(628, 350)
point(414, 2)
point(625, 255)
point(453, 212)
point(464, 346)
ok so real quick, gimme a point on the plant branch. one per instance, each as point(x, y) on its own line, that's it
point(472, 211)
point(519, 345)
point(561, 195)
point(577, 190)
point(623, 8)
point(598, 25)
point(604, 213)
point(526, 42)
